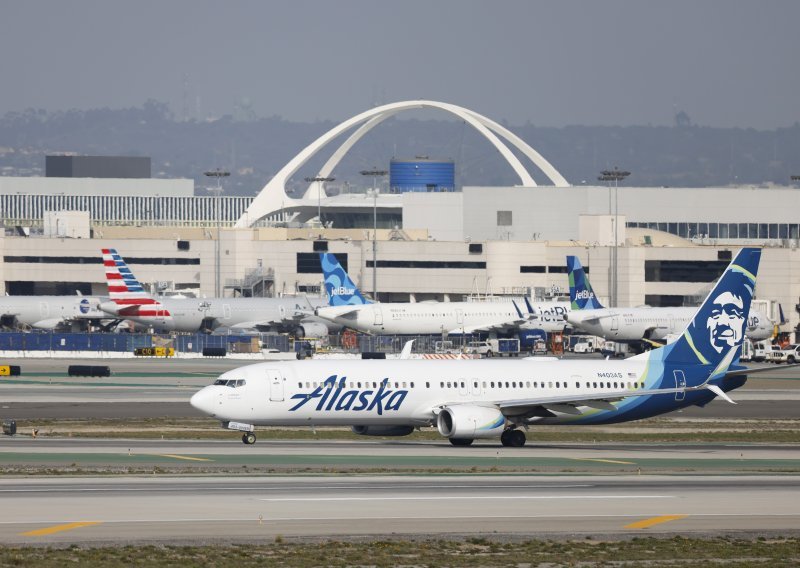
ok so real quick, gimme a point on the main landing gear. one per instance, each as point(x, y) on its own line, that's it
point(512, 438)
point(461, 441)
point(249, 438)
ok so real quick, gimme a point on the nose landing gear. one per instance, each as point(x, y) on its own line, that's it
point(249, 438)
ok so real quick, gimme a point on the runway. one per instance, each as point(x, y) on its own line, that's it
point(230, 455)
point(196, 509)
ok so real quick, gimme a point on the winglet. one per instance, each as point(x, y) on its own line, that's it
point(519, 312)
point(406, 352)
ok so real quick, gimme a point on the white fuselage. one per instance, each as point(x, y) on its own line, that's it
point(193, 314)
point(351, 392)
point(429, 318)
point(635, 324)
point(47, 312)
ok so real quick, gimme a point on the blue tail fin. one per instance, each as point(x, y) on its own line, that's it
point(340, 289)
point(581, 294)
point(717, 330)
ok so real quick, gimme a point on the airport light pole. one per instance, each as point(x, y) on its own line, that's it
point(375, 173)
point(218, 174)
point(615, 175)
point(319, 179)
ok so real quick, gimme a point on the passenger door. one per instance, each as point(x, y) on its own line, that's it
point(376, 310)
point(680, 383)
point(276, 385)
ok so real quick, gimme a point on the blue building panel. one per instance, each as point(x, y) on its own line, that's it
point(421, 175)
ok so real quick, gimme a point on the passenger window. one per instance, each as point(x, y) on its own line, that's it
point(449, 384)
point(492, 384)
point(514, 384)
point(558, 386)
point(411, 384)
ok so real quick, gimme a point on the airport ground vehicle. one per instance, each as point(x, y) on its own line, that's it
point(503, 347)
point(774, 354)
point(614, 349)
point(790, 355)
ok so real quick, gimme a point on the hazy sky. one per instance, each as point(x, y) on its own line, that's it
point(726, 63)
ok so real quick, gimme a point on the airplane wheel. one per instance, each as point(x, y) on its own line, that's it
point(505, 438)
point(249, 438)
point(461, 441)
point(516, 438)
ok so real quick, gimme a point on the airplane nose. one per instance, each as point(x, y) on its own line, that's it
point(203, 400)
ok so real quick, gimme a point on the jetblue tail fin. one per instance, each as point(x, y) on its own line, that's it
point(581, 294)
point(715, 334)
point(340, 288)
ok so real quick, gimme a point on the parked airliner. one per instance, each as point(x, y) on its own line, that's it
point(349, 307)
point(638, 324)
point(50, 312)
point(491, 399)
point(128, 300)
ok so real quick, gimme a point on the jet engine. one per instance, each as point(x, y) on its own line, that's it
point(310, 329)
point(382, 430)
point(467, 422)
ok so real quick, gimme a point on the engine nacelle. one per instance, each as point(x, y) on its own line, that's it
point(310, 329)
point(469, 422)
point(382, 430)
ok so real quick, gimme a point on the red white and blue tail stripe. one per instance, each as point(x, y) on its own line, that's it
point(125, 291)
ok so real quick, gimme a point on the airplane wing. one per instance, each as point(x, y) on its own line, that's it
point(570, 404)
point(577, 404)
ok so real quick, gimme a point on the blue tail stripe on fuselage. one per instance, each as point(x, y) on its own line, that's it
point(341, 290)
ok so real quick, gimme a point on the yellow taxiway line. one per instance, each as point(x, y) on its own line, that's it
point(647, 523)
point(604, 461)
point(182, 457)
point(59, 528)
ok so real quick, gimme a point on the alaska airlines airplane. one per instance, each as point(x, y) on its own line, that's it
point(348, 307)
point(128, 300)
point(50, 312)
point(639, 324)
point(491, 399)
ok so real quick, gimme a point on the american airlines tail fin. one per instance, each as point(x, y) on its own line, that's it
point(716, 333)
point(340, 288)
point(581, 294)
point(124, 291)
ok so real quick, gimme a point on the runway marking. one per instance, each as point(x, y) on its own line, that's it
point(59, 528)
point(604, 461)
point(177, 457)
point(245, 488)
point(464, 498)
point(647, 523)
point(411, 518)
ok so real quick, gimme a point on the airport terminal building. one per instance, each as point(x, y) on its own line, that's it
point(670, 243)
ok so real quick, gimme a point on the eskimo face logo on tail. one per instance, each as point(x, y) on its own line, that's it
point(332, 395)
point(727, 321)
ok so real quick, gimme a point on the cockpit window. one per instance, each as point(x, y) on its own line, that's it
point(232, 383)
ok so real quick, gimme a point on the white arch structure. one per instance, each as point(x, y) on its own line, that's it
point(273, 197)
